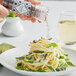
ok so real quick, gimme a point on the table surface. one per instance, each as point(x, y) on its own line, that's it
point(36, 30)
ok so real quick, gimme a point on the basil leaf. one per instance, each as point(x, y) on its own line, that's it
point(61, 57)
point(52, 44)
point(11, 15)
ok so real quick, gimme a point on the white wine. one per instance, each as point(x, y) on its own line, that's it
point(67, 31)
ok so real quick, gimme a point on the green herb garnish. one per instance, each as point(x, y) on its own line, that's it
point(66, 55)
point(60, 63)
point(20, 58)
point(30, 53)
point(43, 58)
point(28, 69)
point(65, 66)
point(67, 59)
point(57, 55)
point(50, 67)
point(41, 70)
point(11, 15)
point(34, 41)
point(52, 45)
point(27, 60)
point(30, 61)
point(49, 38)
point(61, 57)
point(20, 67)
point(62, 66)
point(70, 63)
point(37, 51)
point(57, 69)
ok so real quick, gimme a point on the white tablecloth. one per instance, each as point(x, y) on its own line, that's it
point(36, 30)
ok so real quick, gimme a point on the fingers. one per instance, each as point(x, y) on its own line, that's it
point(33, 20)
point(22, 16)
point(3, 11)
point(29, 18)
point(39, 21)
point(1, 16)
point(26, 17)
point(1, 1)
point(35, 2)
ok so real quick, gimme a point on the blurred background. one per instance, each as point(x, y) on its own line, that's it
point(57, 0)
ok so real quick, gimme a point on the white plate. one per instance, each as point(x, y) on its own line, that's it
point(8, 60)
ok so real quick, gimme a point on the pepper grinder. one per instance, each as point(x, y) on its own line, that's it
point(26, 8)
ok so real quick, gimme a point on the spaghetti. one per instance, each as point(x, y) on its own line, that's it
point(44, 56)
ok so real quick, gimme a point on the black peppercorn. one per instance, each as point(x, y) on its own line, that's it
point(13, 9)
point(19, 64)
point(29, 8)
point(26, 3)
point(15, 3)
point(19, 1)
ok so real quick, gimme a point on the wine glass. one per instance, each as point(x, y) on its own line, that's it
point(67, 27)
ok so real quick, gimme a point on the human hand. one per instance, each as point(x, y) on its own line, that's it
point(35, 2)
point(1, 1)
point(3, 11)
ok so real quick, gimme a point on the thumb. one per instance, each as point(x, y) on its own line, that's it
point(3, 11)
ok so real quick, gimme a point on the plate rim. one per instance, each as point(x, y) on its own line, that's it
point(32, 73)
